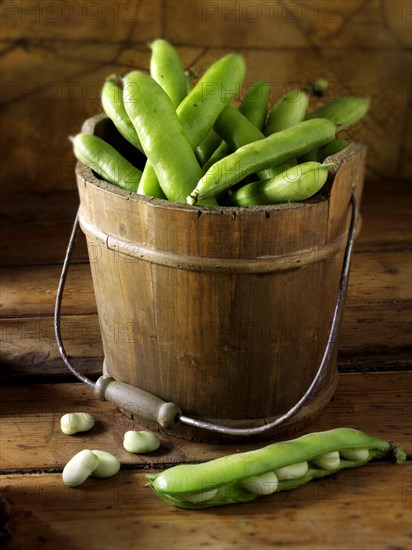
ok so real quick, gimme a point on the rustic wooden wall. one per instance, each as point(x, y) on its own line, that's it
point(56, 53)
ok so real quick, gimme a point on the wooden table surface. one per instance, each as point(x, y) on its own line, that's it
point(369, 507)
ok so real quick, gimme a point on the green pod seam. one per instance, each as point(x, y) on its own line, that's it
point(167, 69)
point(343, 112)
point(297, 183)
point(161, 135)
point(106, 161)
point(113, 106)
point(289, 110)
point(274, 149)
point(226, 473)
point(217, 87)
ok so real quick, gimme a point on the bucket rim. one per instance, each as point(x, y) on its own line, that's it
point(88, 176)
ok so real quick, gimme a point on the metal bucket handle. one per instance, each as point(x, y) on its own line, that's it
point(149, 407)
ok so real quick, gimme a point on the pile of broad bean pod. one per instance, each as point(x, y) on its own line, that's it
point(199, 148)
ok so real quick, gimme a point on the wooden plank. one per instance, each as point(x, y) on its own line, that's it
point(30, 341)
point(386, 214)
point(31, 437)
point(29, 350)
point(368, 506)
point(377, 278)
point(80, 24)
point(341, 25)
point(36, 227)
point(31, 290)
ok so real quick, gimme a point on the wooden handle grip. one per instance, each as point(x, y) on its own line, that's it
point(137, 402)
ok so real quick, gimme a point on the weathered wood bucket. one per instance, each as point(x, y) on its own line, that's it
point(223, 311)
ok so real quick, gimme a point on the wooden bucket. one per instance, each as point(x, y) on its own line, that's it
point(223, 311)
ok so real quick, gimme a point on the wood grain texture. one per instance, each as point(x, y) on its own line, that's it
point(377, 403)
point(377, 278)
point(335, 25)
point(324, 514)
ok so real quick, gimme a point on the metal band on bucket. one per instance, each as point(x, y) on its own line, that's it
point(227, 265)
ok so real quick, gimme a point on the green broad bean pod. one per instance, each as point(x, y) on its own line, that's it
point(222, 151)
point(320, 154)
point(297, 183)
point(289, 110)
point(112, 103)
point(167, 70)
point(254, 104)
point(235, 129)
point(217, 87)
point(272, 150)
point(207, 147)
point(244, 477)
point(343, 112)
point(252, 109)
point(335, 146)
point(149, 184)
point(106, 161)
point(161, 134)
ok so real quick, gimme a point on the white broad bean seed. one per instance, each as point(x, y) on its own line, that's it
point(200, 497)
point(79, 468)
point(355, 454)
point(327, 461)
point(108, 465)
point(72, 423)
point(264, 484)
point(294, 471)
point(140, 442)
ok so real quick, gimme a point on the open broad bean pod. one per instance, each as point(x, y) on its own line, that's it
point(281, 466)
